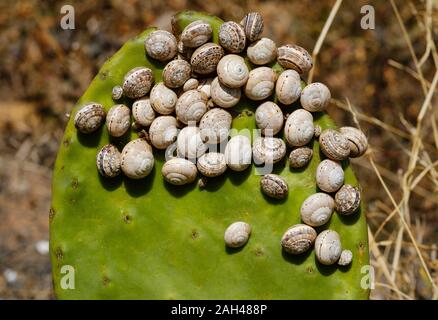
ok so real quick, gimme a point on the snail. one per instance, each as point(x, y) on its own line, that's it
point(261, 83)
point(253, 26)
point(345, 258)
point(117, 92)
point(224, 96)
point(238, 153)
point(189, 143)
point(288, 87)
point(191, 84)
point(191, 106)
point(347, 200)
point(137, 82)
point(163, 99)
point(205, 86)
point(357, 140)
point(318, 130)
point(232, 71)
point(137, 159)
point(118, 120)
point(163, 132)
point(108, 161)
point(328, 247)
point(178, 171)
point(269, 118)
point(196, 34)
point(184, 52)
point(205, 58)
point(274, 186)
point(142, 112)
point(315, 97)
point(90, 117)
point(232, 37)
point(161, 45)
point(317, 209)
point(294, 57)
point(262, 51)
point(334, 145)
point(237, 234)
point(176, 73)
point(298, 239)
point(212, 164)
point(300, 157)
point(329, 176)
point(268, 150)
point(298, 128)
point(215, 125)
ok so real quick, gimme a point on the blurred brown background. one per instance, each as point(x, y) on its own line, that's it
point(45, 69)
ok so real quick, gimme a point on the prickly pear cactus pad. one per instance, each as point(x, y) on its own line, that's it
point(148, 239)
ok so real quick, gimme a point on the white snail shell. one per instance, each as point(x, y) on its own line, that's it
point(163, 99)
point(191, 106)
point(317, 209)
point(212, 164)
point(118, 120)
point(329, 176)
point(189, 143)
point(269, 118)
point(274, 186)
point(357, 140)
point(300, 157)
point(334, 144)
point(176, 73)
point(268, 150)
point(205, 86)
point(262, 52)
point(137, 159)
point(137, 82)
point(224, 96)
point(315, 97)
point(298, 128)
point(108, 161)
point(163, 132)
point(294, 57)
point(328, 247)
point(196, 34)
point(237, 234)
point(298, 239)
point(238, 153)
point(253, 25)
point(205, 58)
point(232, 71)
point(232, 37)
point(191, 84)
point(288, 87)
point(117, 92)
point(90, 117)
point(161, 45)
point(347, 199)
point(345, 258)
point(178, 171)
point(261, 83)
point(215, 125)
point(142, 112)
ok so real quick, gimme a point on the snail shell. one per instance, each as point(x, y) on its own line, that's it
point(205, 59)
point(215, 125)
point(142, 112)
point(237, 234)
point(108, 161)
point(315, 97)
point(294, 57)
point(184, 52)
point(224, 96)
point(317, 131)
point(191, 106)
point(262, 51)
point(288, 87)
point(178, 171)
point(163, 99)
point(268, 150)
point(232, 71)
point(118, 120)
point(196, 34)
point(269, 118)
point(238, 153)
point(357, 140)
point(274, 186)
point(232, 37)
point(138, 82)
point(261, 83)
point(212, 164)
point(253, 25)
point(205, 86)
point(189, 143)
point(90, 117)
point(176, 73)
point(117, 92)
point(345, 258)
point(299, 129)
point(137, 159)
point(317, 209)
point(328, 247)
point(298, 239)
point(329, 176)
point(300, 157)
point(191, 84)
point(334, 145)
point(163, 132)
point(347, 200)
point(161, 45)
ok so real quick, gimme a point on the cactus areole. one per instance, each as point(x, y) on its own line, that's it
point(122, 238)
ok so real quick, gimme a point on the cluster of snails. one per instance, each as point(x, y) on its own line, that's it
point(201, 81)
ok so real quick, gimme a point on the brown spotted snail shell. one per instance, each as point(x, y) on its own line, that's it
point(163, 99)
point(190, 144)
point(232, 37)
point(237, 234)
point(212, 164)
point(191, 84)
point(328, 247)
point(345, 258)
point(318, 130)
point(347, 200)
point(108, 161)
point(90, 117)
point(138, 82)
point(215, 125)
point(191, 106)
point(253, 26)
point(315, 97)
point(274, 186)
point(269, 118)
point(299, 129)
point(118, 120)
point(224, 96)
point(268, 150)
point(232, 71)
point(161, 45)
point(163, 132)
point(288, 87)
point(317, 209)
point(294, 57)
point(357, 140)
point(300, 157)
point(196, 34)
point(142, 112)
point(262, 52)
point(176, 73)
point(117, 92)
point(137, 159)
point(334, 145)
point(261, 83)
point(298, 239)
point(329, 176)
point(178, 171)
point(205, 58)
point(238, 153)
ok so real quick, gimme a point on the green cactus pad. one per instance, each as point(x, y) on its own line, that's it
point(146, 239)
